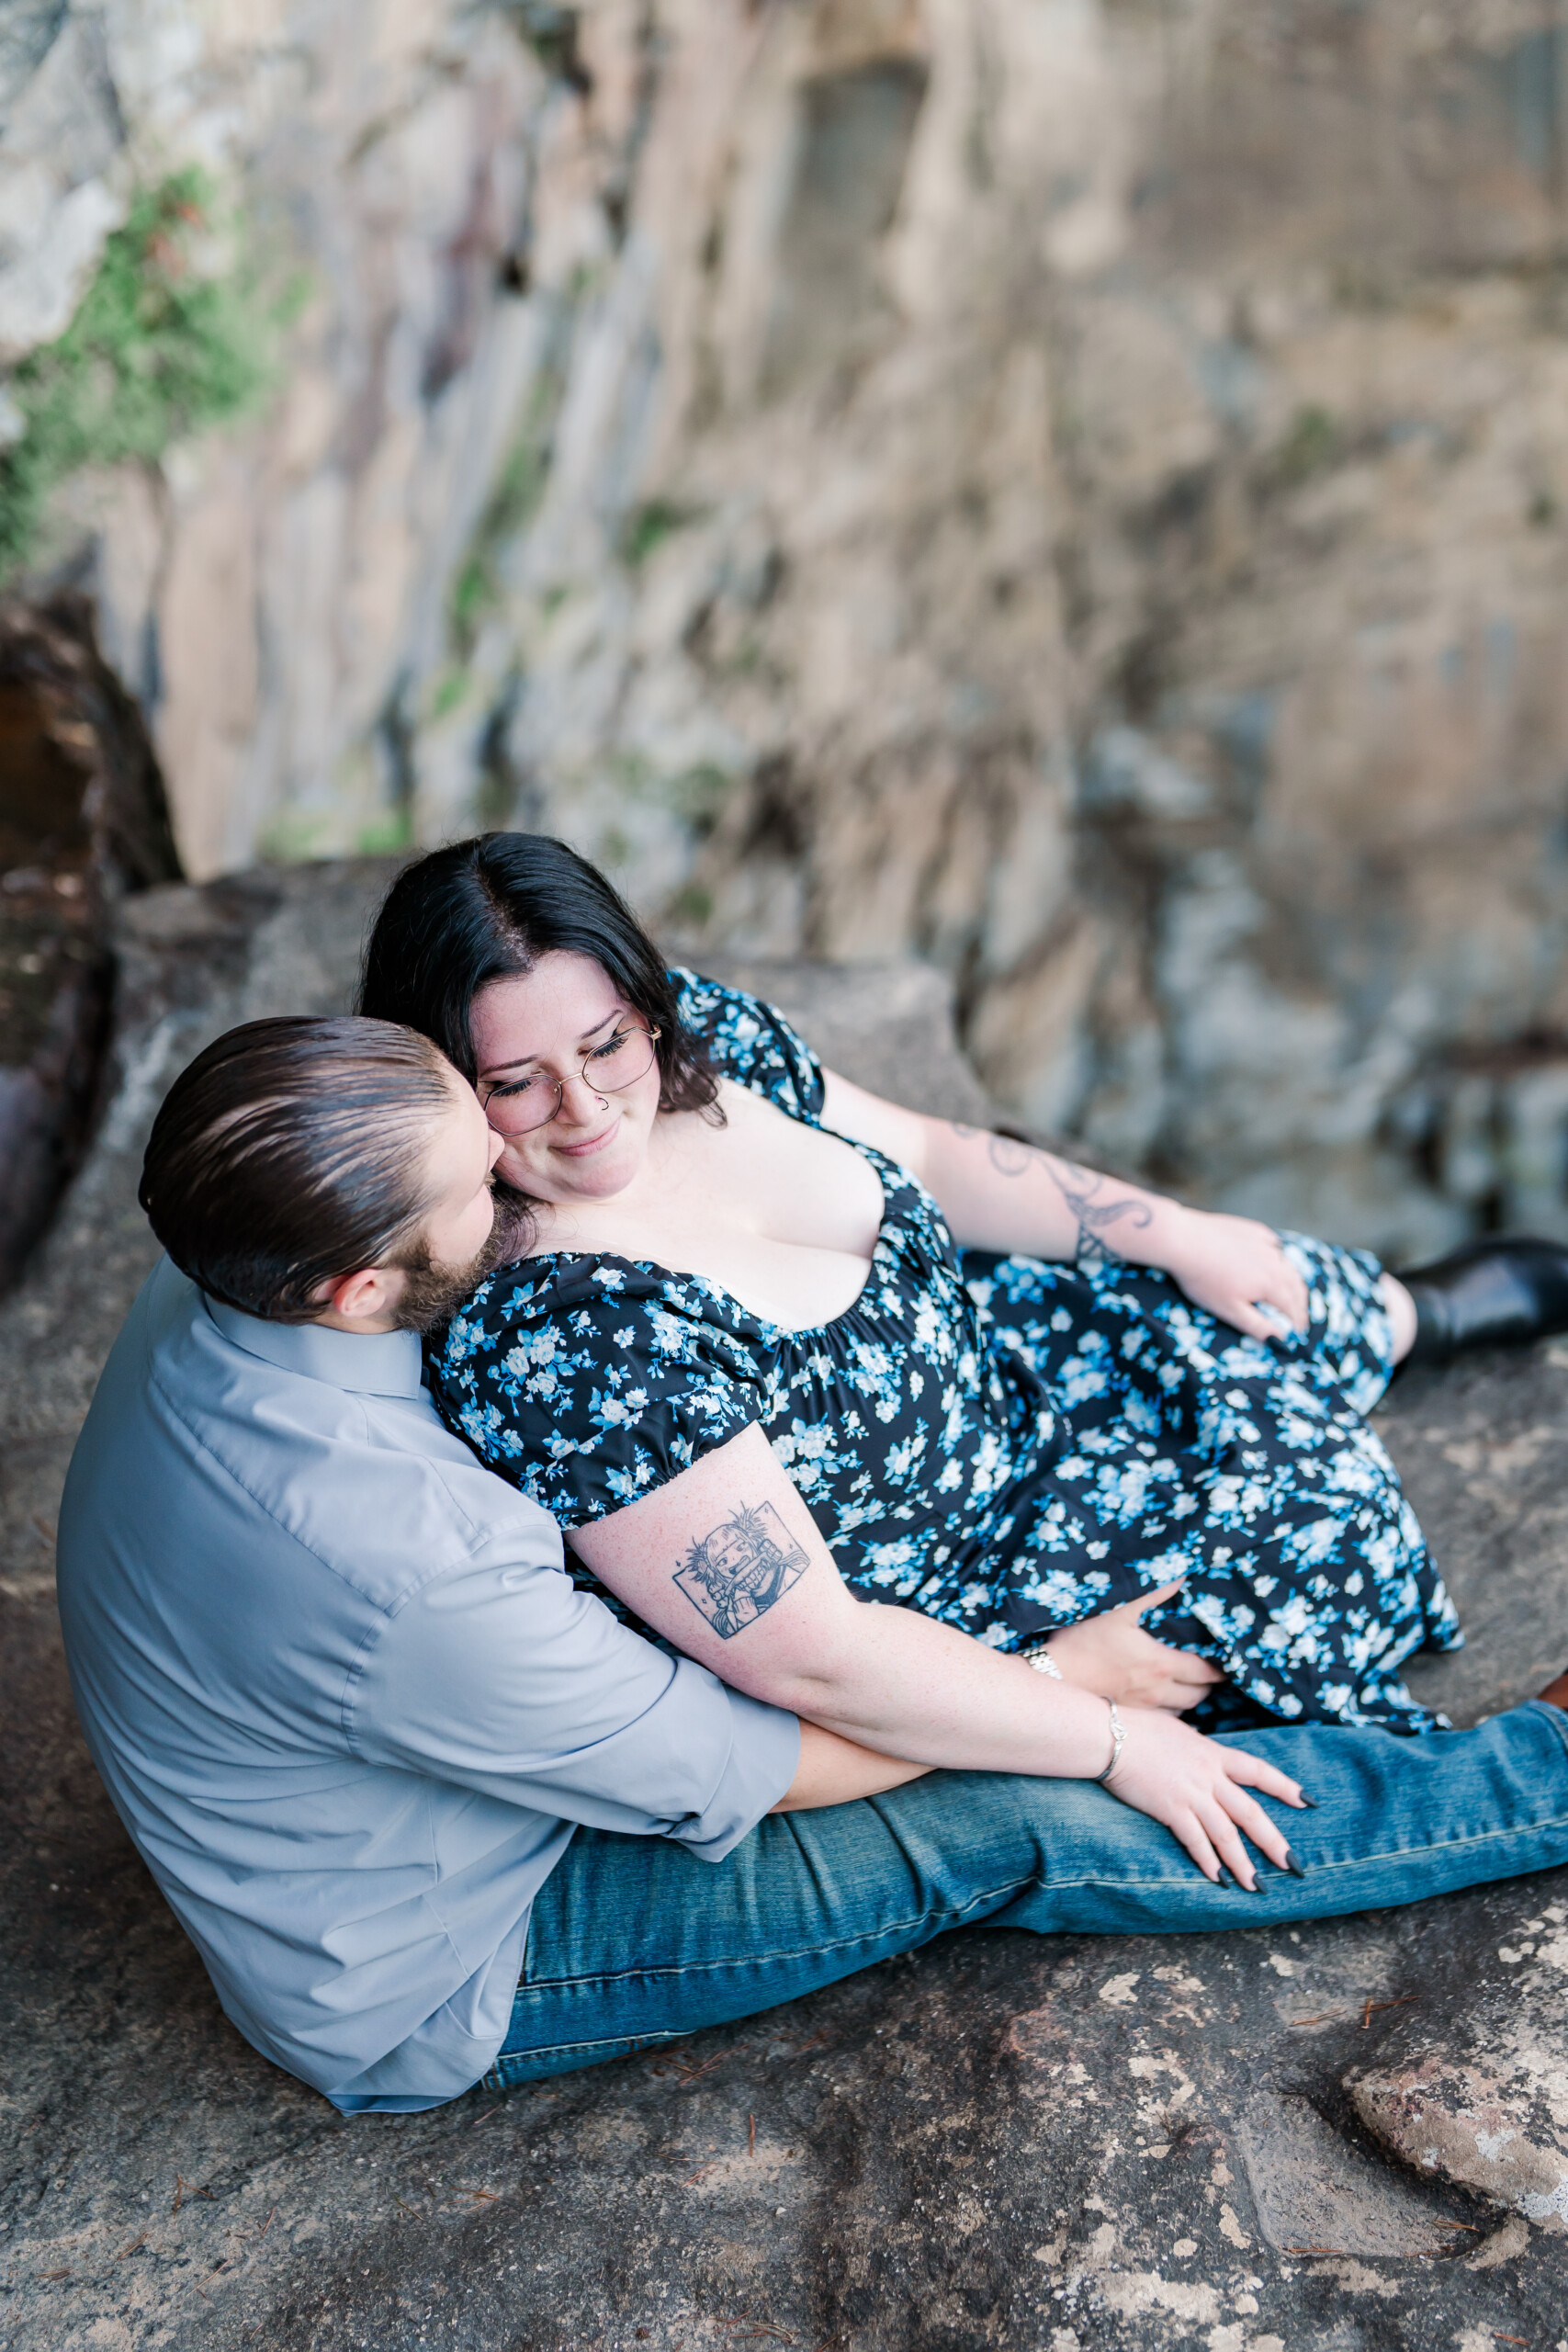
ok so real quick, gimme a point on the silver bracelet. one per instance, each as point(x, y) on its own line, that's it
point(1118, 1739)
point(1043, 1663)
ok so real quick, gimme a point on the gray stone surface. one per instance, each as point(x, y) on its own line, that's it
point(1261, 2141)
point(886, 1026)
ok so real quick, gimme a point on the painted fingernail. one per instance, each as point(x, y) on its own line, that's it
point(1292, 1865)
point(1306, 1800)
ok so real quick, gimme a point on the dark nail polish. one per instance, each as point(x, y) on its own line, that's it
point(1292, 1865)
point(1306, 1800)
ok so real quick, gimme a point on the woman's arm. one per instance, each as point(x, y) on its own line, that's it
point(997, 1193)
point(726, 1561)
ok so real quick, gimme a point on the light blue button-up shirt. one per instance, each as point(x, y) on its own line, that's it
point(347, 1699)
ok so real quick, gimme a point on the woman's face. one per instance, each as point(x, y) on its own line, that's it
point(529, 1031)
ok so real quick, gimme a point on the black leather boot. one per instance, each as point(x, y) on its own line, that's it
point(1498, 1293)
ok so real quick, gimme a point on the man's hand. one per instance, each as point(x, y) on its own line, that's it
point(1112, 1656)
point(1235, 1267)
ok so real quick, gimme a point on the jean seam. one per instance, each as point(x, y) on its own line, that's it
point(1402, 1853)
point(993, 1894)
point(1555, 1716)
point(603, 2041)
point(771, 1958)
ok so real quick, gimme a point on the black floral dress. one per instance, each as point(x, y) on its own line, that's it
point(1005, 1444)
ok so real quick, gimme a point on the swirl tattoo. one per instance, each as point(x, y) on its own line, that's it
point(1093, 1209)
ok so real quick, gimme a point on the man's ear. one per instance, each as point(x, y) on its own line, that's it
point(363, 1297)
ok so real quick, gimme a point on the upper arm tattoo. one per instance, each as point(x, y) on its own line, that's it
point(1082, 1191)
point(735, 1575)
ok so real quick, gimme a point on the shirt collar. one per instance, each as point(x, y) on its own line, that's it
point(377, 1364)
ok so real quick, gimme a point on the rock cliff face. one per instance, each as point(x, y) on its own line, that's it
point(1074, 490)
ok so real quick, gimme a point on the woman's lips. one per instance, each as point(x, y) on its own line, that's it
point(592, 1144)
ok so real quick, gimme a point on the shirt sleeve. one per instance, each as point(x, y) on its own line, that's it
point(500, 1675)
point(749, 1042)
point(599, 1383)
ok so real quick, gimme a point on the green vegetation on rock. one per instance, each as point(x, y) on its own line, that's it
point(386, 836)
point(516, 492)
point(649, 525)
point(552, 34)
point(1311, 444)
point(159, 348)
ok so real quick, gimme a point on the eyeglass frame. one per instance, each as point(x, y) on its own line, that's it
point(652, 1033)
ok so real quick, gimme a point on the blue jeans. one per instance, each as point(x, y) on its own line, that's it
point(634, 1942)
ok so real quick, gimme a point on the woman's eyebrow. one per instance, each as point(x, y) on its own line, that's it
point(494, 1069)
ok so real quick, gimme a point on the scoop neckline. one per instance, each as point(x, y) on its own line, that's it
point(763, 1322)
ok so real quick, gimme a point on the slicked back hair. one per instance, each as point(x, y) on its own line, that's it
point(294, 1152)
point(487, 909)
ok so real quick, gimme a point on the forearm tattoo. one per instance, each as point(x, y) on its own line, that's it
point(1092, 1207)
point(735, 1575)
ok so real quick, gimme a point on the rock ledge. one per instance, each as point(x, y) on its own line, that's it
point(1316, 2138)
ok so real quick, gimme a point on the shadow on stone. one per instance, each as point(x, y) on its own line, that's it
point(83, 822)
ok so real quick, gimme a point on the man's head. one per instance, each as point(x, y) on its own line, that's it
point(325, 1171)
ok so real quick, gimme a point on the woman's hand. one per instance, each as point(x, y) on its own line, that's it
point(1113, 1656)
point(1198, 1789)
point(1235, 1267)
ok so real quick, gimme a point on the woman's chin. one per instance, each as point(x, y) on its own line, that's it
point(595, 1182)
point(569, 1175)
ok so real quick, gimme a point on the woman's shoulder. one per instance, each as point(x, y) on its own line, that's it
point(749, 1041)
point(592, 1380)
point(589, 1309)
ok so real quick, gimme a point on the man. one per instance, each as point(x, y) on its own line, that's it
point(430, 1813)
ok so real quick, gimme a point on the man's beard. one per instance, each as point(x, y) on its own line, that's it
point(433, 1294)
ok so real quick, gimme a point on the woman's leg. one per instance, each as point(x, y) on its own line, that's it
point(1315, 1578)
point(1400, 1309)
point(1501, 1290)
point(634, 1942)
point(1245, 1467)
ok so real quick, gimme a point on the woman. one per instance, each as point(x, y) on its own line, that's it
point(763, 1330)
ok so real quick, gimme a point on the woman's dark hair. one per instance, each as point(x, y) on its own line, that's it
point(293, 1152)
point(488, 910)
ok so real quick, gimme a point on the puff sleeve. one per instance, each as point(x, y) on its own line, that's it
point(749, 1042)
point(590, 1382)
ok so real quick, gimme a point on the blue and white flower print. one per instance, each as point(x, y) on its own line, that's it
point(1004, 1445)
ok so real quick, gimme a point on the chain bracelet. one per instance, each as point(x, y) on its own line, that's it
point(1043, 1663)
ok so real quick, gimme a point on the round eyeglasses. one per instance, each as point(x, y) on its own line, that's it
point(515, 1107)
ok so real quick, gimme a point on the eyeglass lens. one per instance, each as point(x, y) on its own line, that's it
point(519, 1104)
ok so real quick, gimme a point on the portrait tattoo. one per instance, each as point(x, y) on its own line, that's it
point(735, 1575)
